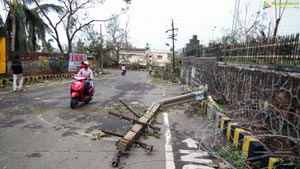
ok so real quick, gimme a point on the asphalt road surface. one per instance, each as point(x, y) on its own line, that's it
point(39, 130)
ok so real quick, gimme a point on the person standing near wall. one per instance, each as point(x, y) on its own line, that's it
point(17, 72)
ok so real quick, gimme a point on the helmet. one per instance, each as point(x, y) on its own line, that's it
point(86, 62)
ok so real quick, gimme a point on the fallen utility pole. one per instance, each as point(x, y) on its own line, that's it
point(140, 124)
point(199, 95)
point(125, 142)
point(115, 161)
point(133, 120)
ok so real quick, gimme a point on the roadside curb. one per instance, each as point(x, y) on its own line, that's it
point(29, 79)
point(252, 148)
point(5, 81)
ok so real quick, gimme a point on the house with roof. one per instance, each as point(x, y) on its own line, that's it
point(145, 57)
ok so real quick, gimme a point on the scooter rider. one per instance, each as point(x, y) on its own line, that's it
point(123, 69)
point(89, 74)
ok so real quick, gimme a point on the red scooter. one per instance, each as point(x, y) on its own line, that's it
point(77, 91)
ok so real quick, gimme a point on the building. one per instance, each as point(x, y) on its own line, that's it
point(145, 57)
point(193, 48)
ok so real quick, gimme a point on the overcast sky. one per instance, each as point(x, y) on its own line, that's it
point(208, 19)
point(149, 19)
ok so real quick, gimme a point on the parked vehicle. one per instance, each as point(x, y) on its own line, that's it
point(77, 91)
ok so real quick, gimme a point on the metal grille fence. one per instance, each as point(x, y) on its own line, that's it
point(283, 50)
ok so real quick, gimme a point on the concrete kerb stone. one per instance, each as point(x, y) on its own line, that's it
point(253, 149)
point(27, 79)
point(2, 82)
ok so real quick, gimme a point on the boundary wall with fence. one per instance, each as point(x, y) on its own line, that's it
point(266, 98)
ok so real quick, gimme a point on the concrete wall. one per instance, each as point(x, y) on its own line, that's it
point(235, 84)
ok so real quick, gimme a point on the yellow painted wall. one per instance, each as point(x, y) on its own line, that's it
point(2, 55)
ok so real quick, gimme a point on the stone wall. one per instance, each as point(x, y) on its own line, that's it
point(265, 89)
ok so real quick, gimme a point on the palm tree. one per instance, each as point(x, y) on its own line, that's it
point(25, 26)
point(37, 27)
point(11, 21)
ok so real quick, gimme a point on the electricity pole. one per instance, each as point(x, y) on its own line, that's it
point(173, 45)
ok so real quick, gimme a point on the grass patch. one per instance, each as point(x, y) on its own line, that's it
point(232, 155)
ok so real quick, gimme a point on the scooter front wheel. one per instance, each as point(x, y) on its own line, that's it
point(74, 102)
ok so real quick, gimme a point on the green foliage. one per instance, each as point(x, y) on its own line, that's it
point(118, 106)
point(135, 66)
point(49, 46)
point(80, 47)
point(59, 65)
point(232, 155)
point(167, 72)
point(217, 107)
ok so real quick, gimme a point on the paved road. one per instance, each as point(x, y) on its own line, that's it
point(39, 130)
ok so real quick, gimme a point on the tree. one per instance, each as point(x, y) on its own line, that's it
point(278, 15)
point(279, 10)
point(50, 48)
point(93, 43)
point(14, 10)
point(26, 24)
point(117, 37)
point(126, 34)
point(80, 47)
point(250, 25)
point(71, 21)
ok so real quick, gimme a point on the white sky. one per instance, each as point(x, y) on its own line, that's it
point(149, 19)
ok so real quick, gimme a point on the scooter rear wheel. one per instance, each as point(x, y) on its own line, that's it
point(74, 102)
point(87, 101)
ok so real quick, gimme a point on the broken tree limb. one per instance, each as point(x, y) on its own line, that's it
point(138, 116)
point(133, 120)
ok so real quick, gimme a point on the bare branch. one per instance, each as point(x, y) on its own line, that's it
point(54, 27)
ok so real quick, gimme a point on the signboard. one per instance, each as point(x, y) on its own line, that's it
point(2, 55)
point(75, 60)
